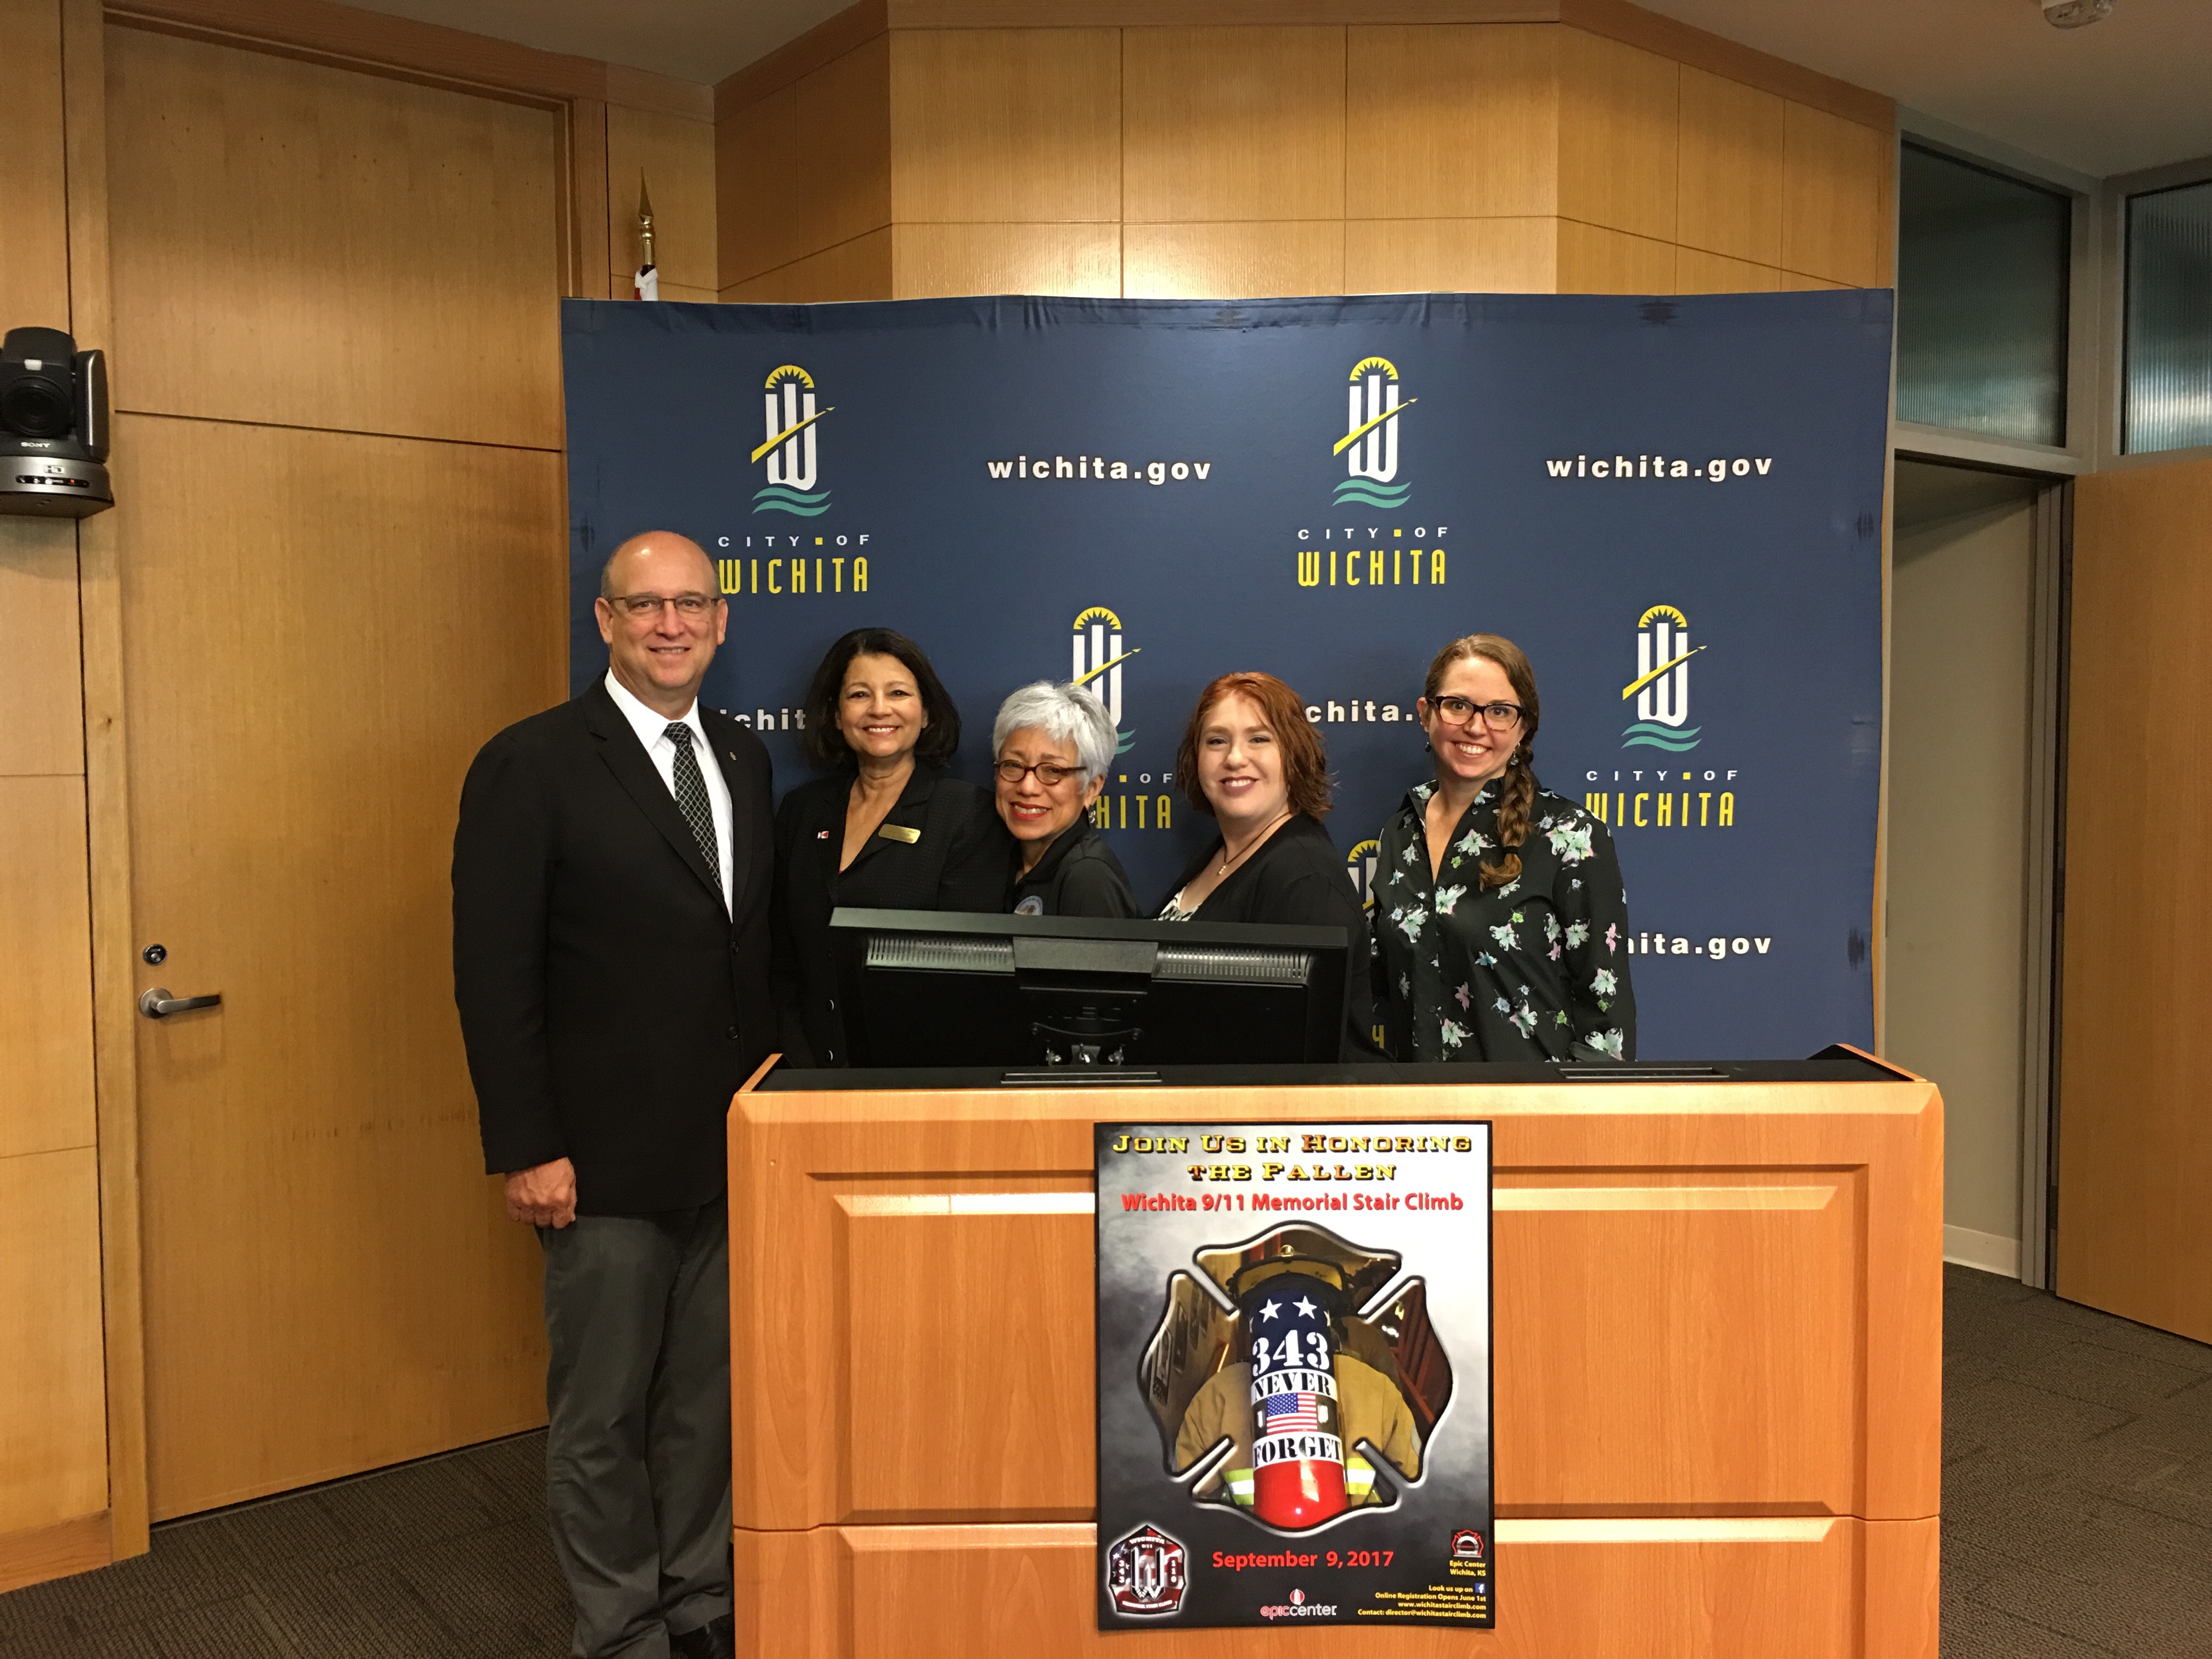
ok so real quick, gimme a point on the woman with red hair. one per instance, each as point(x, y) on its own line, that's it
point(1251, 760)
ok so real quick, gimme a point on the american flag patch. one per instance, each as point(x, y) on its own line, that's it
point(1280, 1413)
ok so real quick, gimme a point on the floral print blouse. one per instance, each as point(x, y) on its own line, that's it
point(1534, 969)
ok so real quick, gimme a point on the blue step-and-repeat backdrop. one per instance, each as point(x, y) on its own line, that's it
point(1673, 505)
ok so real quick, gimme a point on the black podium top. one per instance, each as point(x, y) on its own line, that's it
point(1834, 1065)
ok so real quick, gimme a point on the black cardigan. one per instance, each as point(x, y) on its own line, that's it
point(957, 862)
point(1078, 876)
point(1299, 878)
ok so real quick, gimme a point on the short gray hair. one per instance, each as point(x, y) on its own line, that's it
point(1061, 711)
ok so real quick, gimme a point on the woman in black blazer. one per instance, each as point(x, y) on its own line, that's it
point(886, 830)
point(1054, 744)
point(1251, 760)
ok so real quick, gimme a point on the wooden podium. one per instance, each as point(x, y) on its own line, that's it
point(1718, 1365)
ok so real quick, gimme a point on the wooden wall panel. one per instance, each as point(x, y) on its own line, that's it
point(1698, 272)
point(1005, 258)
point(676, 155)
point(1232, 261)
point(266, 270)
point(1730, 185)
point(1596, 261)
point(1451, 122)
point(858, 270)
point(761, 172)
point(844, 118)
point(1466, 256)
point(1618, 119)
point(45, 970)
point(41, 687)
point(34, 252)
point(2134, 1140)
point(1019, 126)
point(54, 1431)
point(1838, 182)
point(1230, 123)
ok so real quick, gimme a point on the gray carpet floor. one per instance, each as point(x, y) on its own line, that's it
point(2077, 1522)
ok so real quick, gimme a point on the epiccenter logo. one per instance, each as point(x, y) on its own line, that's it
point(1371, 436)
point(1661, 686)
point(1098, 659)
point(789, 449)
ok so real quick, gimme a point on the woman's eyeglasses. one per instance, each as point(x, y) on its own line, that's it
point(1051, 774)
point(1458, 711)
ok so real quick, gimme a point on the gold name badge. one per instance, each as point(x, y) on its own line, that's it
point(899, 832)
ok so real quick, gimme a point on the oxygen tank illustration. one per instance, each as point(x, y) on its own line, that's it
point(1289, 1304)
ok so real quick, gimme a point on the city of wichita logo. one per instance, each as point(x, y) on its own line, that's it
point(789, 449)
point(1098, 659)
point(1371, 436)
point(1661, 686)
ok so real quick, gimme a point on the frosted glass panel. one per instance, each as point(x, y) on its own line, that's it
point(1981, 300)
point(2169, 396)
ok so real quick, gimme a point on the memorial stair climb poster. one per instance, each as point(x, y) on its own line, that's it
point(1294, 1375)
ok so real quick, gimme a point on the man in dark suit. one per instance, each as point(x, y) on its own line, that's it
point(612, 877)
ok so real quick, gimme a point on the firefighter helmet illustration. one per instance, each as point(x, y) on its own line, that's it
point(1146, 1572)
point(1281, 1371)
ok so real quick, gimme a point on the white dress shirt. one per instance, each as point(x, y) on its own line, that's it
point(652, 731)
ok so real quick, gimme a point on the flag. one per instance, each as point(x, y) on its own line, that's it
point(1282, 1413)
point(647, 282)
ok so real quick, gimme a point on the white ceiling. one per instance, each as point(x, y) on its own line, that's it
point(2134, 91)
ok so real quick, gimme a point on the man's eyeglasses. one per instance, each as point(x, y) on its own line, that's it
point(1458, 711)
point(1051, 774)
point(641, 607)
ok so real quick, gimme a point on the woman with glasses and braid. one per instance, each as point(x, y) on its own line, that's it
point(1501, 926)
point(1054, 744)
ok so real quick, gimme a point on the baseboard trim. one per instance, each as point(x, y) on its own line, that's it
point(1986, 1251)
point(38, 1554)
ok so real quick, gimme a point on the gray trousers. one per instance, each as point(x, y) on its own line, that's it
point(637, 1453)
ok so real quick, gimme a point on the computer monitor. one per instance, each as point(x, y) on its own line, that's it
point(930, 987)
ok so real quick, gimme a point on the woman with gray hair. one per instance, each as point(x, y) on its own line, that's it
point(1053, 744)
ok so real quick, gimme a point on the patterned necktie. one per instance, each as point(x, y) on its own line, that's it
point(691, 797)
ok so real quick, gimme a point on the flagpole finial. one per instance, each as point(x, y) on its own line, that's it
point(644, 220)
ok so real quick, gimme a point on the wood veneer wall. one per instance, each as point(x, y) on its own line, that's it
point(73, 1466)
point(69, 1392)
point(925, 147)
point(2134, 1140)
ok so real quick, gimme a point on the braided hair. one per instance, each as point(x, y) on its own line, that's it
point(1519, 793)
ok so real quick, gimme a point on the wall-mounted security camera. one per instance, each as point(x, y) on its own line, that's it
point(2073, 14)
point(53, 426)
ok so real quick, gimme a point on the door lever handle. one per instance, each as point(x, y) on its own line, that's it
point(158, 1004)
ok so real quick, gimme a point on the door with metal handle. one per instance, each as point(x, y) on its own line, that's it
point(158, 1004)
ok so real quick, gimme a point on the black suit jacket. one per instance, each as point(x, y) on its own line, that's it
point(1297, 878)
point(959, 860)
point(610, 1004)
